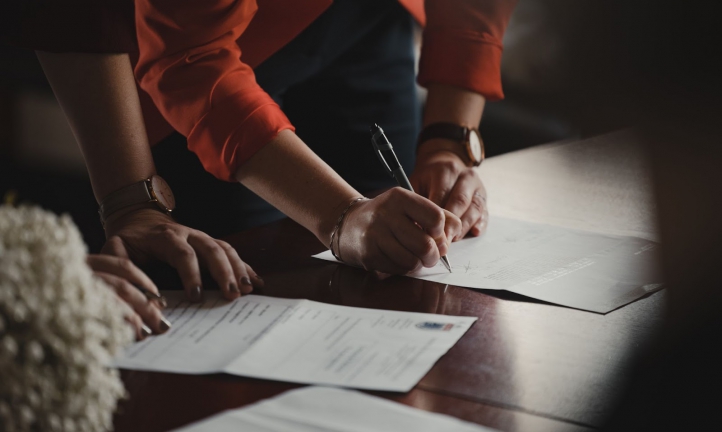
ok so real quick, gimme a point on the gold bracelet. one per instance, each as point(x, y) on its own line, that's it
point(339, 221)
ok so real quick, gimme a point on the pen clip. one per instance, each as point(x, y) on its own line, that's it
point(378, 134)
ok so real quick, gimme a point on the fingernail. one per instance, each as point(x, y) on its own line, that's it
point(162, 302)
point(260, 281)
point(145, 330)
point(234, 288)
point(164, 325)
point(246, 285)
point(195, 294)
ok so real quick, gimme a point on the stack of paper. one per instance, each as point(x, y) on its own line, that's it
point(584, 270)
point(297, 340)
point(320, 409)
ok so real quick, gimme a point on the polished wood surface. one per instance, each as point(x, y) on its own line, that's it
point(525, 365)
point(161, 402)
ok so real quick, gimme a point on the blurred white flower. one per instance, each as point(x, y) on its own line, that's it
point(59, 328)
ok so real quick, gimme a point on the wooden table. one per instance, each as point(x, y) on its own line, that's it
point(525, 365)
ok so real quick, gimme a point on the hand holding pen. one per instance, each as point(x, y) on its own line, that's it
point(383, 234)
point(385, 152)
point(396, 232)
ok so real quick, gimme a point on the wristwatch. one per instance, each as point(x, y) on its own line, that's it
point(467, 137)
point(152, 190)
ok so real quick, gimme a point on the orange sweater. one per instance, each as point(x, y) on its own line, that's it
point(197, 58)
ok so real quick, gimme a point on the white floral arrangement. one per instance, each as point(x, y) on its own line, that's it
point(60, 328)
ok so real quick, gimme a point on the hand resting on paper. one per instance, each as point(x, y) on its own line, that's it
point(144, 235)
point(121, 274)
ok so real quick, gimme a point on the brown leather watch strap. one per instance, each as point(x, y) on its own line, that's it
point(135, 193)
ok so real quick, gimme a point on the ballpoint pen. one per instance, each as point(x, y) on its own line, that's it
point(388, 159)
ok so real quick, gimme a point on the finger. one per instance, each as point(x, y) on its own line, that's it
point(480, 227)
point(114, 246)
point(462, 194)
point(440, 186)
point(141, 330)
point(418, 184)
point(125, 269)
point(390, 257)
point(257, 280)
point(150, 315)
point(132, 318)
point(473, 215)
point(452, 226)
point(212, 255)
point(240, 269)
point(397, 258)
point(420, 210)
point(414, 240)
point(175, 250)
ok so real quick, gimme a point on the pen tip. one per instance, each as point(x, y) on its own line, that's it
point(445, 261)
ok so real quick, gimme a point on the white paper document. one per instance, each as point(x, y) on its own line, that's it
point(297, 340)
point(322, 409)
point(584, 270)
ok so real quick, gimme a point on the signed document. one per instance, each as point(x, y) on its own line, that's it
point(298, 341)
point(314, 409)
point(579, 269)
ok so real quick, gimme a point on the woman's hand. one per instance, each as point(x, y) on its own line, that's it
point(440, 172)
point(396, 233)
point(444, 178)
point(120, 274)
point(146, 234)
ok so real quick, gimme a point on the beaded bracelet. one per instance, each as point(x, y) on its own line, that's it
point(339, 221)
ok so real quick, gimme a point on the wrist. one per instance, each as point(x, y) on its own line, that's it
point(435, 146)
point(104, 186)
point(138, 195)
point(132, 213)
point(328, 222)
point(335, 242)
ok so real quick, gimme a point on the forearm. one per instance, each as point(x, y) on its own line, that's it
point(446, 103)
point(287, 174)
point(97, 92)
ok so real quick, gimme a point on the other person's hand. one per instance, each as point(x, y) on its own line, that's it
point(396, 233)
point(445, 179)
point(144, 235)
point(121, 274)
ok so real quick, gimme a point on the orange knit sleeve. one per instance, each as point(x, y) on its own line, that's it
point(462, 44)
point(190, 64)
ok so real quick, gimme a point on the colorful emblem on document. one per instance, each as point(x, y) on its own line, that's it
point(428, 325)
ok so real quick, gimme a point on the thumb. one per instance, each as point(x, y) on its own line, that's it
point(452, 226)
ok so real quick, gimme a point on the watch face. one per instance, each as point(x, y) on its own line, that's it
point(476, 147)
point(162, 192)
